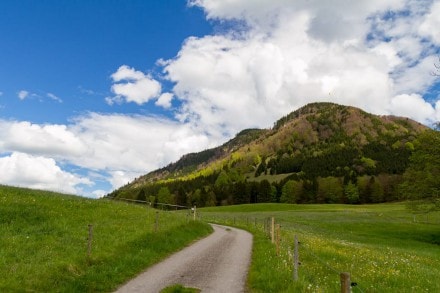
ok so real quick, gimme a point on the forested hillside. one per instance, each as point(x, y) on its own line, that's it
point(321, 153)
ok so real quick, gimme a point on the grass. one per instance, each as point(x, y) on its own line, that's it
point(384, 247)
point(179, 289)
point(43, 241)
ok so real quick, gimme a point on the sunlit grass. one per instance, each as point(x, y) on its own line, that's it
point(43, 241)
point(384, 247)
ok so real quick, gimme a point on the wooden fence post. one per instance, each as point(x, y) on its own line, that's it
point(345, 283)
point(295, 258)
point(89, 241)
point(195, 211)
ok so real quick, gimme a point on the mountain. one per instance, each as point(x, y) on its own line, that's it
point(323, 151)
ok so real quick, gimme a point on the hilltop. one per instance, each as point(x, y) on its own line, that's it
point(324, 151)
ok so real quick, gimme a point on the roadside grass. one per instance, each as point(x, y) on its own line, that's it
point(43, 241)
point(384, 247)
point(179, 289)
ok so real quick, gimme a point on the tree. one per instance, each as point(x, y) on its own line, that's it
point(181, 197)
point(421, 179)
point(265, 191)
point(222, 179)
point(141, 195)
point(164, 196)
point(291, 191)
point(330, 190)
point(352, 192)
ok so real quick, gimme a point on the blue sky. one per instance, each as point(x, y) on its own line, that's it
point(70, 49)
point(95, 93)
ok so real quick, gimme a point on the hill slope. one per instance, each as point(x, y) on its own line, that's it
point(44, 247)
point(320, 144)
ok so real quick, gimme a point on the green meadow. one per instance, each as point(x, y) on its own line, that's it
point(44, 241)
point(44, 244)
point(384, 247)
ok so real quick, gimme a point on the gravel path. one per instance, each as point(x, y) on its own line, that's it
point(217, 263)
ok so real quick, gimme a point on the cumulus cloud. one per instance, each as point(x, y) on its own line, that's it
point(289, 53)
point(164, 100)
point(431, 23)
point(99, 193)
point(123, 146)
point(38, 172)
point(413, 106)
point(131, 85)
point(48, 140)
point(133, 143)
point(22, 94)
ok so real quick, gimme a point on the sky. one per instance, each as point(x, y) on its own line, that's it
point(96, 93)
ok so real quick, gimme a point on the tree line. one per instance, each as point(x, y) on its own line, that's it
point(220, 189)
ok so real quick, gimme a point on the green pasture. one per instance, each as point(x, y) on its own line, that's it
point(44, 241)
point(384, 247)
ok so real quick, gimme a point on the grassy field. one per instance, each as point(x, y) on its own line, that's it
point(43, 244)
point(384, 247)
point(43, 241)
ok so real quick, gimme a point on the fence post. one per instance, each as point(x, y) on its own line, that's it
point(89, 241)
point(272, 230)
point(345, 283)
point(195, 210)
point(295, 258)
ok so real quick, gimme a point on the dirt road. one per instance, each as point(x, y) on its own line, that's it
point(217, 263)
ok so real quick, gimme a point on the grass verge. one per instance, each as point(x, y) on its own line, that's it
point(384, 247)
point(43, 240)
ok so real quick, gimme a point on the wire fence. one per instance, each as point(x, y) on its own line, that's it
point(93, 232)
point(307, 259)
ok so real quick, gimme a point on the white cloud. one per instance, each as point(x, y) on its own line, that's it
point(114, 100)
point(48, 140)
point(430, 25)
point(437, 110)
point(291, 53)
point(120, 145)
point(99, 193)
point(413, 106)
point(22, 94)
point(133, 86)
point(133, 143)
point(38, 172)
point(165, 100)
point(54, 97)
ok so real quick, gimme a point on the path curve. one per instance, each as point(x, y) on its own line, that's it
point(217, 263)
